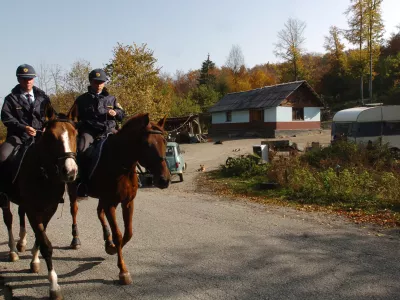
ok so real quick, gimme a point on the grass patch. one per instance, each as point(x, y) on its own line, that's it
point(360, 181)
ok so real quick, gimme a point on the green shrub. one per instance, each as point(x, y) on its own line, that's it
point(243, 166)
point(349, 154)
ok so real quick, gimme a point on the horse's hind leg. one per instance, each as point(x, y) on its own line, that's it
point(21, 245)
point(8, 220)
point(124, 276)
point(127, 214)
point(76, 242)
point(109, 245)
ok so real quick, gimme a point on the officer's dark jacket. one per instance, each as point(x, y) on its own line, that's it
point(93, 112)
point(17, 112)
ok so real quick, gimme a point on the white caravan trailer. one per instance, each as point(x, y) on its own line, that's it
point(364, 124)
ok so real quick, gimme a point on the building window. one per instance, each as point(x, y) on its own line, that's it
point(297, 113)
point(228, 116)
point(256, 115)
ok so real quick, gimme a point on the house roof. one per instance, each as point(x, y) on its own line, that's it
point(268, 96)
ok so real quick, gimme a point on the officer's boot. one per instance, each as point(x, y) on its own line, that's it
point(81, 180)
point(3, 196)
point(3, 200)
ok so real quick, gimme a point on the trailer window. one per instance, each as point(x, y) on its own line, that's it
point(391, 128)
point(339, 129)
point(369, 129)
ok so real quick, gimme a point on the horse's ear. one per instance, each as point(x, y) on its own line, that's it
point(49, 112)
point(146, 120)
point(73, 113)
point(161, 123)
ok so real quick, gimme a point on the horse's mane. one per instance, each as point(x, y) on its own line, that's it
point(60, 118)
point(133, 122)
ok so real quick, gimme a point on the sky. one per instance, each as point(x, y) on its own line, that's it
point(180, 32)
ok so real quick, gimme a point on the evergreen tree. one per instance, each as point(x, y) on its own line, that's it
point(207, 77)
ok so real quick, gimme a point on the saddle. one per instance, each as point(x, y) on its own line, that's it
point(11, 167)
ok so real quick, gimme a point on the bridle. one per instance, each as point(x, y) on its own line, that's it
point(152, 131)
point(59, 161)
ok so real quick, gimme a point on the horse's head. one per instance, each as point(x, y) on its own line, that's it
point(151, 147)
point(58, 147)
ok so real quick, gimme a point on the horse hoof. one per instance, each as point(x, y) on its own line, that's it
point(125, 278)
point(21, 248)
point(56, 295)
point(13, 256)
point(110, 248)
point(35, 267)
point(75, 244)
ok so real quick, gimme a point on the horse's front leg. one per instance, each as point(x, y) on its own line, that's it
point(108, 243)
point(8, 220)
point(76, 242)
point(124, 276)
point(127, 214)
point(35, 262)
point(21, 245)
point(46, 249)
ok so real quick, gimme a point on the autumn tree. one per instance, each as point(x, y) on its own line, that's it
point(135, 83)
point(375, 30)
point(356, 34)
point(204, 96)
point(183, 106)
point(290, 44)
point(259, 78)
point(184, 82)
point(333, 82)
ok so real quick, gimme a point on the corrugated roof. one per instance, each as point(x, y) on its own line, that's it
point(268, 96)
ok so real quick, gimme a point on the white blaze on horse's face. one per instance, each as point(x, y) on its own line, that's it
point(70, 164)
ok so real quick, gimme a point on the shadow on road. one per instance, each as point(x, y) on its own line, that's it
point(285, 266)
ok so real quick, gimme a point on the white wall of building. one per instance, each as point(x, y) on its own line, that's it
point(312, 114)
point(283, 114)
point(274, 114)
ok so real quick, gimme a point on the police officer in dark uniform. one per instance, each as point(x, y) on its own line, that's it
point(98, 114)
point(98, 111)
point(23, 113)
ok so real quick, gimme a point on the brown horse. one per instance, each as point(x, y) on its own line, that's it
point(115, 181)
point(47, 166)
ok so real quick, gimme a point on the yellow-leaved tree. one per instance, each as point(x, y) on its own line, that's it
point(135, 81)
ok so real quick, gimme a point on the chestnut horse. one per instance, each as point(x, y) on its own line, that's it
point(48, 165)
point(114, 181)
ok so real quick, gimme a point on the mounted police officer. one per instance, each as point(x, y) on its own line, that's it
point(23, 114)
point(98, 114)
point(98, 111)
